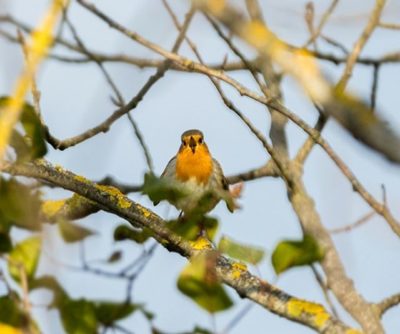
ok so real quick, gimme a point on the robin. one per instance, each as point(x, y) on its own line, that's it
point(199, 174)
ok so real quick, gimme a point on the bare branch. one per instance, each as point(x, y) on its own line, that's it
point(105, 125)
point(317, 32)
point(352, 226)
point(388, 303)
point(373, 21)
point(374, 88)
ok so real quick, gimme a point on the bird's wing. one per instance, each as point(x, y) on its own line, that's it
point(170, 169)
point(219, 178)
point(169, 172)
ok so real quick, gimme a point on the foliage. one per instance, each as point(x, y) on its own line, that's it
point(238, 251)
point(30, 144)
point(199, 282)
point(292, 253)
point(24, 258)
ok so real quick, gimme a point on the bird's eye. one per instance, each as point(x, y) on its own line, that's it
point(183, 143)
point(200, 140)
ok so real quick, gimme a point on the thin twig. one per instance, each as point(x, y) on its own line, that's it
point(106, 124)
point(325, 289)
point(142, 143)
point(392, 26)
point(322, 23)
point(388, 303)
point(374, 88)
point(236, 319)
point(352, 226)
point(373, 22)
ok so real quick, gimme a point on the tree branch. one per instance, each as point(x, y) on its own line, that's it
point(231, 273)
point(388, 303)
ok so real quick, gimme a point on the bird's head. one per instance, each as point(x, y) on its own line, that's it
point(192, 140)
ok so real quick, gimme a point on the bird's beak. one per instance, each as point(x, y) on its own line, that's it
point(192, 144)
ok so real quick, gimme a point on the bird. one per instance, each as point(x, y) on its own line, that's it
point(199, 174)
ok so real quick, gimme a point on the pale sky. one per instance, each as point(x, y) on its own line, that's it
point(76, 97)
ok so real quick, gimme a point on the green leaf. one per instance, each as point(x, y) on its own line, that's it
point(124, 232)
point(11, 313)
point(25, 255)
point(50, 283)
point(199, 282)
point(19, 205)
point(34, 130)
point(78, 316)
point(239, 251)
point(149, 315)
point(71, 232)
point(201, 330)
point(34, 138)
point(5, 243)
point(21, 147)
point(193, 227)
point(108, 313)
point(159, 189)
point(290, 253)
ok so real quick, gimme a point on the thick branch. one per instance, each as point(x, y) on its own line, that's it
point(234, 274)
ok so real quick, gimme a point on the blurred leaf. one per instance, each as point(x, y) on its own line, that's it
point(25, 255)
point(115, 257)
point(108, 313)
point(21, 147)
point(6, 329)
point(149, 315)
point(5, 243)
point(200, 330)
point(191, 228)
point(159, 189)
point(291, 253)
point(71, 232)
point(124, 232)
point(364, 124)
point(34, 130)
point(50, 283)
point(239, 251)
point(199, 282)
point(19, 205)
point(11, 313)
point(32, 145)
point(78, 316)
point(5, 240)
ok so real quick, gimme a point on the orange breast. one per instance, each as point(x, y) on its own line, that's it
point(196, 165)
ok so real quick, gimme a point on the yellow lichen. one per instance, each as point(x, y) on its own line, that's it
point(237, 269)
point(317, 312)
point(146, 213)
point(81, 179)
point(201, 243)
point(51, 208)
point(122, 201)
point(59, 168)
point(353, 331)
